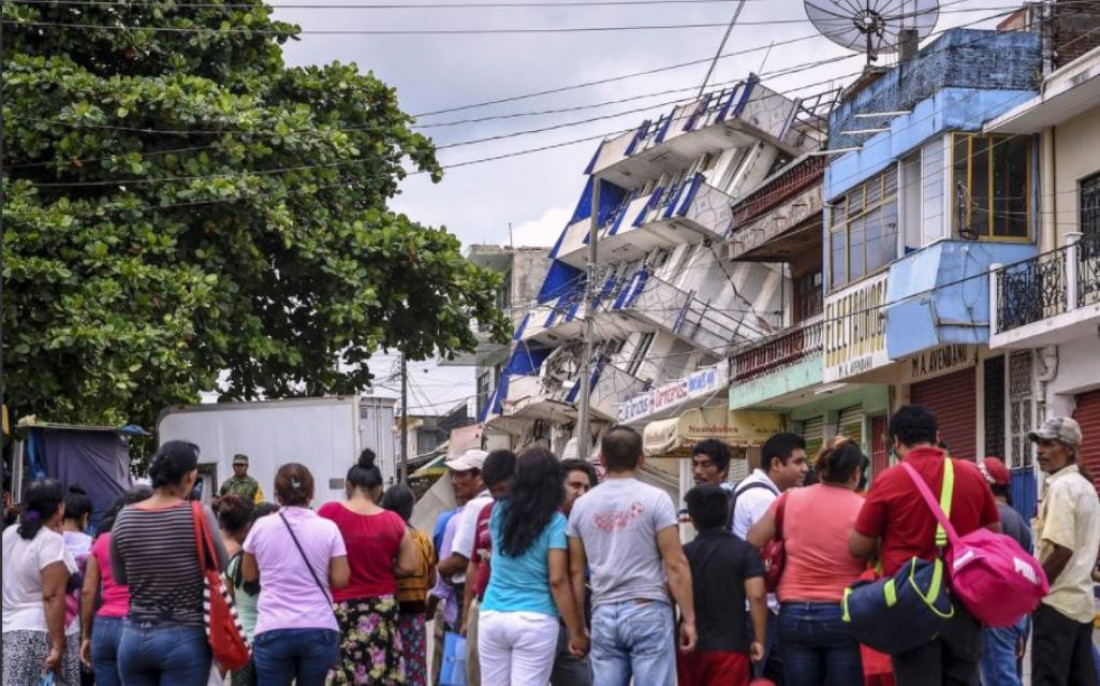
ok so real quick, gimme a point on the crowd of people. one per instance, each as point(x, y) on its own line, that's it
point(551, 575)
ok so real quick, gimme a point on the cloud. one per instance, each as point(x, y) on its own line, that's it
point(541, 232)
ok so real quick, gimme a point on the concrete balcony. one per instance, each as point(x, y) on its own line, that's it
point(782, 218)
point(738, 116)
point(542, 398)
point(1050, 299)
point(686, 212)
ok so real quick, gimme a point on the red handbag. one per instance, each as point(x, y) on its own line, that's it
point(775, 553)
point(224, 631)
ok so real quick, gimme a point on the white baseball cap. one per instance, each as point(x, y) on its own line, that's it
point(471, 459)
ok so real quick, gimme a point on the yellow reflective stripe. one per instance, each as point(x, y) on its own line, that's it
point(891, 593)
point(844, 606)
point(945, 499)
point(933, 588)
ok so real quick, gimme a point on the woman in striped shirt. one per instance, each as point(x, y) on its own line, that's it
point(153, 551)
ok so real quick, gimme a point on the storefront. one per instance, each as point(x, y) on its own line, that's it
point(669, 443)
point(1087, 414)
point(945, 380)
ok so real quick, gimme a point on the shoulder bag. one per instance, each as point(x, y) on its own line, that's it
point(774, 553)
point(994, 578)
point(305, 559)
point(224, 631)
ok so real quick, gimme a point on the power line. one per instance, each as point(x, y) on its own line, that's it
point(123, 4)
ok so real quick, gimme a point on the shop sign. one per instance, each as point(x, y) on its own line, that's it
point(937, 362)
point(855, 329)
point(704, 382)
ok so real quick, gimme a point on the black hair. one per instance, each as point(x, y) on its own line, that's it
point(780, 447)
point(364, 474)
point(294, 485)
point(399, 498)
point(44, 498)
point(838, 463)
point(500, 465)
point(718, 452)
point(913, 425)
point(77, 504)
point(172, 462)
point(864, 479)
point(537, 495)
point(134, 495)
point(621, 448)
point(708, 506)
point(1003, 490)
point(575, 465)
point(235, 513)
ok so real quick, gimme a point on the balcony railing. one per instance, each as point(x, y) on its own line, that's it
point(1048, 285)
point(777, 351)
point(1088, 269)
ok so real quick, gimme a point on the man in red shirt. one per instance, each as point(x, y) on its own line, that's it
point(896, 521)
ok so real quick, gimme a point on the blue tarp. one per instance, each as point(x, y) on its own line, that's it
point(98, 461)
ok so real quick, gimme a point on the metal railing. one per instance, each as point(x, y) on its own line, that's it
point(1088, 269)
point(777, 351)
point(1032, 290)
point(1047, 285)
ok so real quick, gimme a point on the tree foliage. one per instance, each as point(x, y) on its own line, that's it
point(181, 205)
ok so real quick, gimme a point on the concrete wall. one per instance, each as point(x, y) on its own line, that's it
point(1078, 371)
point(959, 58)
point(1077, 156)
point(529, 267)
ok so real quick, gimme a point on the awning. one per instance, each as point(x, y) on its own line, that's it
point(741, 429)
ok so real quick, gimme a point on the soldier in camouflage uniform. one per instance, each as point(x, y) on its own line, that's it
point(241, 483)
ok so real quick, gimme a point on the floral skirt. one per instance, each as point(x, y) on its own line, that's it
point(371, 651)
point(412, 626)
point(26, 651)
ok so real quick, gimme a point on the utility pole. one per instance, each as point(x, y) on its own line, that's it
point(403, 474)
point(721, 47)
point(583, 435)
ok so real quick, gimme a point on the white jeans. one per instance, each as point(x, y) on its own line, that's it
point(517, 648)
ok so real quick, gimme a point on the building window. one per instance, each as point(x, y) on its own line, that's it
point(992, 188)
point(808, 296)
point(1020, 408)
point(863, 230)
point(994, 392)
point(484, 387)
point(640, 353)
point(1090, 207)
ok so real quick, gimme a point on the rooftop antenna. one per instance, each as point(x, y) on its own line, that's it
point(873, 26)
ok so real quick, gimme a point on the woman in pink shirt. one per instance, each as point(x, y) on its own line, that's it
point(816, 522)
point(380, 548)
point(99, 648)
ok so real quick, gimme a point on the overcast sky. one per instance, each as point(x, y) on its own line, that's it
point(536, 193)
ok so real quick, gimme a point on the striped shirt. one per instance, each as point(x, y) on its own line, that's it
point(153, 552)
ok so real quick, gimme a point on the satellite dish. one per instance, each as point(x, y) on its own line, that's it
point(874, 26)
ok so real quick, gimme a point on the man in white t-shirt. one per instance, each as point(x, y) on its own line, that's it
point(784, 466)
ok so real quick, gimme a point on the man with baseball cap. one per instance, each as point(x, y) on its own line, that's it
point(1068, 539)
point(1003, 647)
point(241, 483)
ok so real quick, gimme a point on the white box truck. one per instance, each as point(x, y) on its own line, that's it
point(324, 434)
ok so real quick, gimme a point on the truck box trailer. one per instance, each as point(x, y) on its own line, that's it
point(324, 434)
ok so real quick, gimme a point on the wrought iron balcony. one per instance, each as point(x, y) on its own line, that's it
point(777, 351)
point(1048, 285)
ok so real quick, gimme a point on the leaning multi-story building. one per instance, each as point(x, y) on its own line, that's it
point(669, 303)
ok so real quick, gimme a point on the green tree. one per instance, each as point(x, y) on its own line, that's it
point(181, 205)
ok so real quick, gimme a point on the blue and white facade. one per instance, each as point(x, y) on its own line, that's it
point(669, 301)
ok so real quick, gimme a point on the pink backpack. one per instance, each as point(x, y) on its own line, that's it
point(993, 577)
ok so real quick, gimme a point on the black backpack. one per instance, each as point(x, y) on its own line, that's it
point(737, 493)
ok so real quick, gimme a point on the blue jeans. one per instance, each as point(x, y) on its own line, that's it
point(152, 654)
point(633, 639)
point(301, 655)
point(817, 646)
point(999, 665)
point(106, 636)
